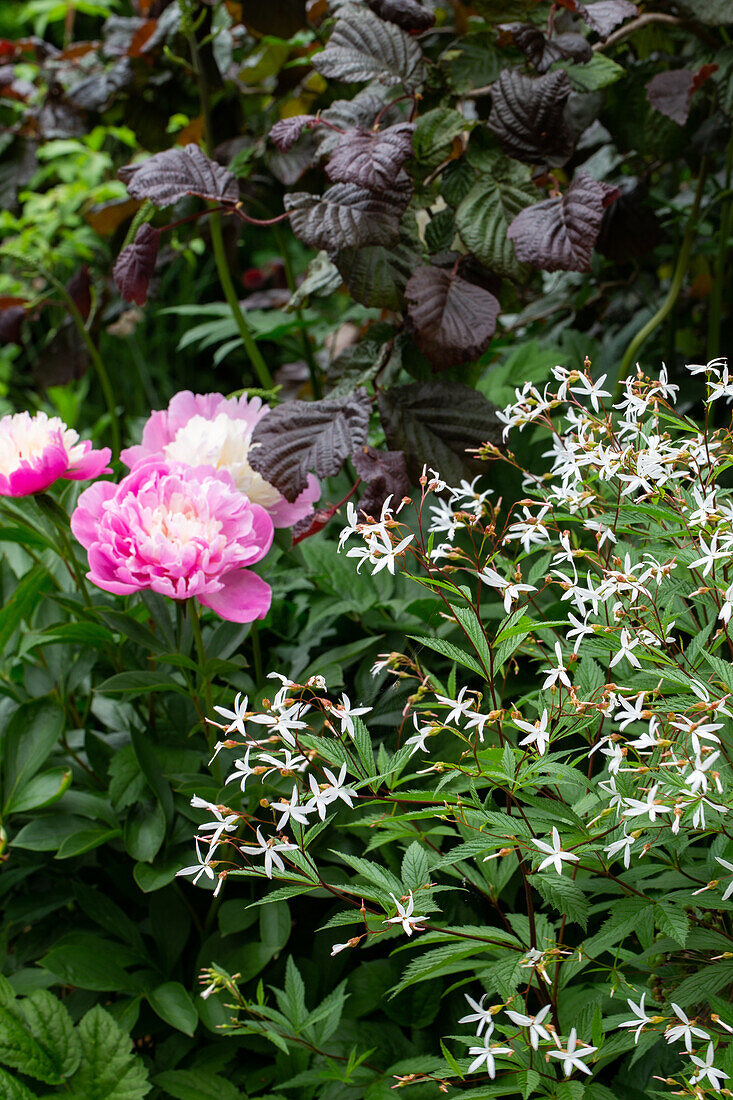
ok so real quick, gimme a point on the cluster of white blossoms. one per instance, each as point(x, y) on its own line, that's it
point(615, 576)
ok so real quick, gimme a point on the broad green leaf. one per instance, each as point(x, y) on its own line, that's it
point(42, 790)
point(140, 682)
point(23, 602)
point(173, 1003)
point(108, 1070)
point(196, 1084)
point(448, 649)
point(20, 1049)
point(155, 876)
point(707, 980)
point(672, 920)
point(597, 73)
point(145, 831)
point(29, 738)
point(12, 1089)
point(434, 134)
point(50, 1024)
point(486, 213)
point(74, 964)
point(563, 894)
point(85, 840)
point(415, 870)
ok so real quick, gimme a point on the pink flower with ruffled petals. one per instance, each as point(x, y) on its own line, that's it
point(181, 531)
point(37, 450)
point(213, 430)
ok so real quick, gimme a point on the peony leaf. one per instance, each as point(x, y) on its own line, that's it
point(301, 437)
point(136, 264)
point(436, 423)
point(169, 176)
point(453, 320)
point(407, 14)
point(386, 475)
point(371, 158)
point(527, 116)
point(362, 48)
point(347, 216)
point(559, 234)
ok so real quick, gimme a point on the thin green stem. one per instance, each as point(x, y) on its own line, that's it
point(719, 270)
point(257, 654)
point(673, 293)
point(217, 240)
point(200, 652)
point(225, 278)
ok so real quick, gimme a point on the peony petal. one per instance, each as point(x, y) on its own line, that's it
point(87, 514)
point(91, 464)
point(285, 514)
point(243, 597)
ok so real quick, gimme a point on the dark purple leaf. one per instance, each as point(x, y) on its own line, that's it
point(118, 33)
point(347, 216)
point(285, 133)
point(436, 423)
point(95, 92)
point(136, 264)
point(167, 177)
point(376, 276)
point(64, 359)
point(407, 14)
point(79, 288)
point(559, 234)
point(302, 155)
point(604, 15)
point(312, 524)
point(452, 320)
point(542, 52)
point(11, 325)
point(371, 158)
point(305, 437)
point(629, 229)
point(527, 116)
point(359, 113)
point(362, 48)
point(670, 93)
point(386, 474)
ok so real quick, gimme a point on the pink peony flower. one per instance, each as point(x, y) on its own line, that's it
point(37, 450)
point(213, 430)
point(181, 531)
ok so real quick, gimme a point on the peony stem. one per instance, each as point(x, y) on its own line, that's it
point(200, 652)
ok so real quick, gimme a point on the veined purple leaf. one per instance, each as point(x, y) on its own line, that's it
point(436, 423)
point(136, 263)
point(359, 113)
point(670, 93)
point(286, 132)
point(629, 228)
point(559, 234)
point(95, 92)
point(542, 52)
point(347, 216)
point(407, 14)
point(453, 320)
point(386, 475)
point(303, 437)
point(371, 158)
point(527, 116)
point(603, 15)
point(362, 47)
point(169, 176)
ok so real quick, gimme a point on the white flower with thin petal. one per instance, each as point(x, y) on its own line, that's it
point(586, 387)
point(476, 720)
point(284, 724)
point(651, 805)
point(534, 1023)
point(219, 825)
point(203, 866)
point(336, 789)
point(711, 554)
point(628, 645)
point(640, 1017)
point(270, 849)
point(625, 844)
point(556, 855)
point(480, 1015)
point(346, 714)
point(292, 811)
point(511, 591)
point(573, 1056)
point(486, 1054)
point(242, 770)
point(405, 915)
point(706, 1068)
point(235, 718)
point(729, 867)
point(351, 528)
point(458, 706)
point(684, 1030)
point(537, 732)
point(580, 628)
point(559, 672)
point(417, 741)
